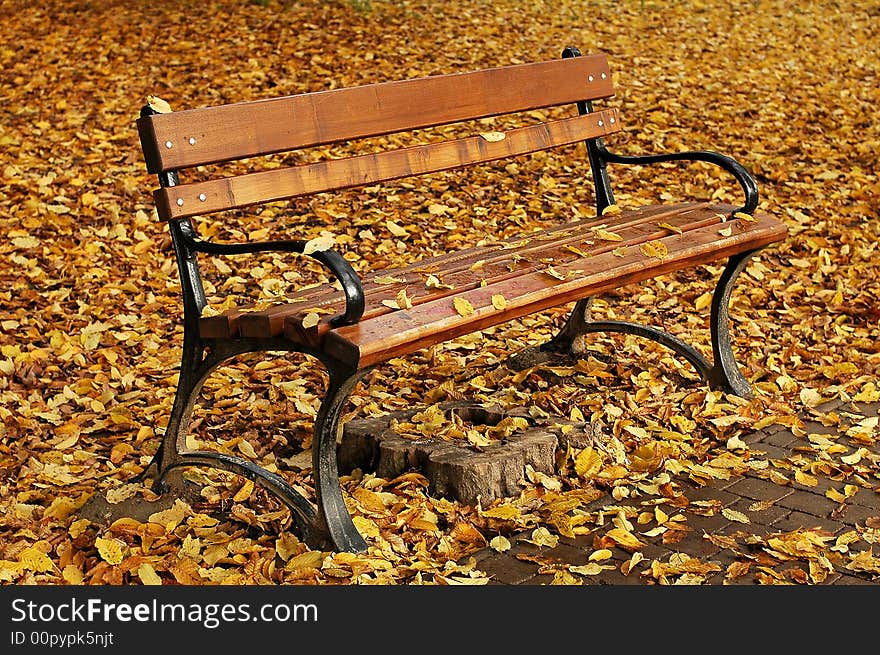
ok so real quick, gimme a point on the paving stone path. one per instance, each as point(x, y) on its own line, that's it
point(714, 548)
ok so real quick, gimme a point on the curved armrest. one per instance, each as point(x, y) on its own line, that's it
point(745, 179)
point(338, 265)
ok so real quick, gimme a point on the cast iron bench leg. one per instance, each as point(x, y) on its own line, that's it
point(333, 515)
point(196, 366)
point(723, 374)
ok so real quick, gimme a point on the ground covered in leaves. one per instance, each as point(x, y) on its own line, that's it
point(89, 306)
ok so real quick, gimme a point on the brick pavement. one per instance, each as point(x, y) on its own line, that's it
point(715, 546)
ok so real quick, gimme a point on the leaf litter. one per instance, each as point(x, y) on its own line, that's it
point(90, 339)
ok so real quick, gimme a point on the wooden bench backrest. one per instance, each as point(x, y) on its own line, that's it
point(180, 140)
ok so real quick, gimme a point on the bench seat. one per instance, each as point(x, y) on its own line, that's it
point(530, 273)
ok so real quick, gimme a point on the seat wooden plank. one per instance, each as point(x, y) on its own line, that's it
point(402, 332)
point(531, 252)
point(482, 267)
point(246, 129)
point(210, 196)
point(468, 268)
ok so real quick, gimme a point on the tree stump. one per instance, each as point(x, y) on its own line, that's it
point(454, 468)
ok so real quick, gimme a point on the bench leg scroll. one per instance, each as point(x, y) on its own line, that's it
point(569, 341)
point(333, 515)
point(172, 454)
point(723, 373)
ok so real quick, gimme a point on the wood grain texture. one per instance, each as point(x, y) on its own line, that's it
point(467, 268)
point(404, 331)
point(208, 135)
point(201, 198)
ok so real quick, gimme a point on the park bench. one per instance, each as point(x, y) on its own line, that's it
point(480, 286)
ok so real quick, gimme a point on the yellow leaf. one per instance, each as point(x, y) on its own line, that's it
point(587, 569)
point(111, 550)
point(463, 306)
point(25, 243)
point(552, 272)
point(388, 279)
point(504, 512)
point(499, 544)
point(733, 515)
point(78, 527)
point(433, 282)
point(748, 218)
point(576, 251)
point(247, 449)
point(72, 575)
point(171, 518)
point(619, 252)
point(810, 397)
point(611, 210)
point(703, 301)
point(34, 559)
point(726, 232)
point(805, 479)
point(311, 559)
point(365, 526)
point(245, 491)
point(310, 320)
point(588, 463)
point(543, 537)
point(396, 229)
point(403, 302)
point(627, 566)
point(492, 137)
point(600, 555)
point(148, 575)
point(670, 227)
point(605, 235)
point(319, 244)
point(625, 539)
point(157, 104)
point(835, 495)
point(655, 249)
point(499, 302)
point(735, 443)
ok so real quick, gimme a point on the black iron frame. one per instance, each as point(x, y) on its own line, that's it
point(328, 520)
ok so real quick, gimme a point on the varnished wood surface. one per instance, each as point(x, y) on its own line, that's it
point(467, 268)
point(401, 332)
point(210, 196)
point(517, 269)
point(207, 135)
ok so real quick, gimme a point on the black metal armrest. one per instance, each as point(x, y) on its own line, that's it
point(338, 265)
point(729, 164)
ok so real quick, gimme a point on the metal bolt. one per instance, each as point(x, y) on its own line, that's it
point(604, 76)
point(203, 197)
point(192, 140)
point(180, 202)
point(168, 144)
point(611, 120)
point(589, 79)
point(601, 123)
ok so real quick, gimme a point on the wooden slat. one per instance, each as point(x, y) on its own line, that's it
point(402, 332)
point(278, 184)
point(246, 129)
point(530, 252)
